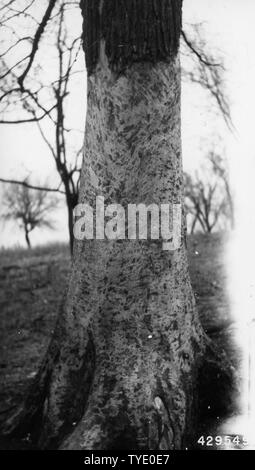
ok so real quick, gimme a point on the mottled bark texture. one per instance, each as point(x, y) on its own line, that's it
point(122, 368)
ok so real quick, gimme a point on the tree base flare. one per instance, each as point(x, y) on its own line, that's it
point(214, 396)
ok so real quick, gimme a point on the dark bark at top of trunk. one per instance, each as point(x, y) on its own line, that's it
point(133, 31)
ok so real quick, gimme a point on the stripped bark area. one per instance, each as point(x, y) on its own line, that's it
point(122, 368)
point(138, 301)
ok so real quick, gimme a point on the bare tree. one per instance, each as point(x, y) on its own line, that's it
point(220, 168)
point(129, 361)
point(55, 132)
point(69, 171)
point(205, 200)
point(30, 208)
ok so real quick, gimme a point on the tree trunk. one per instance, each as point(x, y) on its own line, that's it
point(193, 225)
point(70, 209)
point(27, 238)
point(122, 368)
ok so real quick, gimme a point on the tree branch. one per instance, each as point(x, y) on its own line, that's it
point(31, 186)
point(23, 121)
point(198, 54)
point(36, 41)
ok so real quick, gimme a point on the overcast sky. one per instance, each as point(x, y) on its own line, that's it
point(229, 27)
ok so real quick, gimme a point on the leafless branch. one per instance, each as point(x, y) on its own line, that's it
point(200, 55)
point(24, 121)
point(31, 186)
point(36, 40)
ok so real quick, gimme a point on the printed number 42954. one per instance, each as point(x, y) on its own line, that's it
point(228, 441)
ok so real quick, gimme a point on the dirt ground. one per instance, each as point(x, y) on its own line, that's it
point(31, 287)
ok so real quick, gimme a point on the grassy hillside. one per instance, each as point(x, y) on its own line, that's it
point(31, 287)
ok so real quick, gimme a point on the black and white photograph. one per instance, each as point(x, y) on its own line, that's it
point(127, 229)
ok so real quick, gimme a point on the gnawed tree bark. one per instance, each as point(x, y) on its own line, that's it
point(128, 351)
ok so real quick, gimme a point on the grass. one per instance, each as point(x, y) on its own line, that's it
point(32, 283)
point(31, 288)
